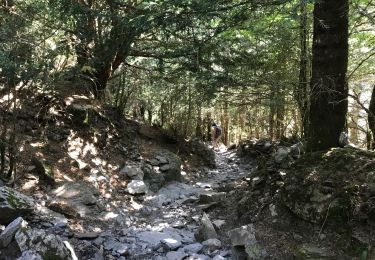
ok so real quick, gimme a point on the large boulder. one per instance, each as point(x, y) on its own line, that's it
point(132, 172)
point(332, 187)
point(48, 246)
point(206, 230)
point(201, 150)
point(165, 167)
point(14, 204)
point(74, 199)
point(244, 243)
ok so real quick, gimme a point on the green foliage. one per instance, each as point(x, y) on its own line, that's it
point(180, 61)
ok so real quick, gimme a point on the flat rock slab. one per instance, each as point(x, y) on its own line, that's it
point(117, 247)
point(14, 204)
point(87, 235)
point(155, 239)
point(175, 191)
point(9, 232)
point(193, 248)
point(73, 199)
point(210, 197)
point(175, 255)
point(171, 244)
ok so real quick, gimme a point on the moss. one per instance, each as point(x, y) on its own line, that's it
point(48, 171)
point(14, 201)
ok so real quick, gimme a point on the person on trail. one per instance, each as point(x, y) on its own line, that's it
point(215, 134)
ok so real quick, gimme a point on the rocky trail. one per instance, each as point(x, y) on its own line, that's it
point(173, 223)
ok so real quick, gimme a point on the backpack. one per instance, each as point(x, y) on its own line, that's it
point(217, 131)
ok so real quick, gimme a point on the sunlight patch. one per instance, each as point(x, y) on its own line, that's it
point(110, 215)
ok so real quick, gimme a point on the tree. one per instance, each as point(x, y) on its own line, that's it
point(329, 90)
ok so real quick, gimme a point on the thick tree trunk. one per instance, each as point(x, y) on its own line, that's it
point(301, 91)
point(371, 120)
point(328, 84)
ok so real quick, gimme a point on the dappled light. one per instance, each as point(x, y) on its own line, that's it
point(170, 130)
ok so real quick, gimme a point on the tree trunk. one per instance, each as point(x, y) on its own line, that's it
point(225, 126)
point(280, 113)
point(328, 84)
point(371, 120)
point(198, 128)
point(301, 91)
point(272, 114)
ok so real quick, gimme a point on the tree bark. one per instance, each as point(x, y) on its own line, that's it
point(371, 120)
point(328, 84)
point(301, 91)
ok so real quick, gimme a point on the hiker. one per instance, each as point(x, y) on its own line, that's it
point(215, 134)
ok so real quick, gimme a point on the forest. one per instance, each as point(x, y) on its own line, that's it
point(106, 111)
point(251, 65)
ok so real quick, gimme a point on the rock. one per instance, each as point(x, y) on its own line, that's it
point(63, 207)
point(30, 255)
point(281, 154)
point(212, 243)
point(202, 151)
point(161, 159)
point(297, 150)
point(174, 192)
point(218, 223)
point(174, 165)
point(8, 234)
point(218, 257)
point(273, 211)
point(244, 242)
point(158, 177)
point(154, 238)
point(87, 235)
point(175, 255)
point(212, 197)
point(117, 247)
point(171, 244)
point(132, 172)
point(307, 251)
point(242, 236)
point(81, 113)
point(73, 199)
point(14, 204)
point(165, 168)
point(206, 229)
point(193, 248)
point(257, 180)
point(49, 246)
point(137, 187)
point(198, 257)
